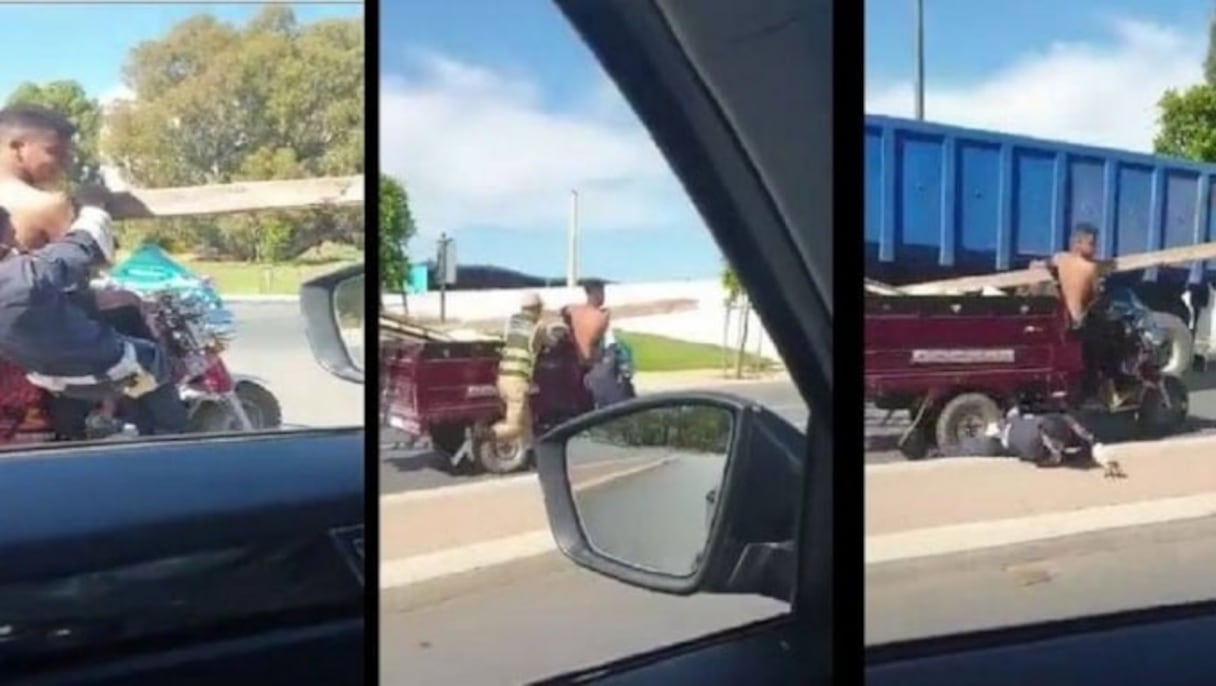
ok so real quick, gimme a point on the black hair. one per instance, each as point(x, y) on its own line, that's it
point(36, 118)
point(1084, 229)
point(592, 286)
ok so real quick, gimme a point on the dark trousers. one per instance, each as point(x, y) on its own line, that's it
point(159, 412)
point(1098, 350)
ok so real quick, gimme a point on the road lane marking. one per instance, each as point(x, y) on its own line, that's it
point(598, 481)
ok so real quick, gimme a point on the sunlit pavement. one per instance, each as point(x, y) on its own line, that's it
point(271, 344)
point(1110, 571)
point(553, 619)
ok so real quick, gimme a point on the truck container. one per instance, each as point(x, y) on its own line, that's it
point(945, 201)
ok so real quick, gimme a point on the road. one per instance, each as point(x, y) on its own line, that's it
point(403, 469)
point(271, 344)
point(1112, 571)
point(560, 618)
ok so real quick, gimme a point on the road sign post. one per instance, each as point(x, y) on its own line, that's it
point(446, 262)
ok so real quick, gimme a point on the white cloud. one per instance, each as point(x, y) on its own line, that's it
point(1101, 94)
point(115, 94)
point(480, 147)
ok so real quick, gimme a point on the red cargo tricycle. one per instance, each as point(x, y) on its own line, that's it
point(445, 390)
point(959, 363)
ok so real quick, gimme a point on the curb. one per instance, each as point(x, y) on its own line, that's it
point(442, 589)
point(425, 579)
point(418, 569)
point(422, 568)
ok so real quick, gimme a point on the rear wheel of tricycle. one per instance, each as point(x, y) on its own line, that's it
point(504, 457)
point(966, 415)
point(1165, 414)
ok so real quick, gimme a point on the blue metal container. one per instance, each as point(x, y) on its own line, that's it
point(944, 201)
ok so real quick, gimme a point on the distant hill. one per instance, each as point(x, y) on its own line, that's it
point(481, 277)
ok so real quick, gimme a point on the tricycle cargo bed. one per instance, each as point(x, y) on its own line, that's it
point(961, 305)
point(922, 346)
point(427, 382)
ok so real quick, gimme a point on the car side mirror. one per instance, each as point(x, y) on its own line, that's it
point(680, 493)
point(333, 308)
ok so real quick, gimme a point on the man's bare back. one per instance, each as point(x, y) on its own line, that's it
point(1078, 282)
point(588, 324)
point(1078, 271)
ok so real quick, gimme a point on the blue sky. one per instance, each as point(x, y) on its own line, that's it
point(492, 110)
point(89, 43)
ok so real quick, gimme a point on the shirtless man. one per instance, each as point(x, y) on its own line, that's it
point(1078, 271)
point(589, 323)
point(49, 249)
point(1079, 274)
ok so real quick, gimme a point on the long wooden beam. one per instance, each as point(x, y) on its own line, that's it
point(237, 197)
point(1030, 277)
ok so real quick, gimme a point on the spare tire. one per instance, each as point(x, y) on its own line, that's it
point(967, 414)
point(1179, 342)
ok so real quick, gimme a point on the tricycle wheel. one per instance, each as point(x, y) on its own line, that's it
point(503, 457)
point(1164, 415)
point(966, 415)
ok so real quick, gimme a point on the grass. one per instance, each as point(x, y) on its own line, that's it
point(653, 353)
point(245, 278)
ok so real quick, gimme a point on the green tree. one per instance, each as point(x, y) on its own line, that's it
point(730, 283)
point(70, 99)
point(218, 103)
point(1209, 62)
point(1188, 116)
point(396, 228)
point(1188, 123)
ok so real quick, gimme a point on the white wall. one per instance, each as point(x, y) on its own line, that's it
point(703, 324)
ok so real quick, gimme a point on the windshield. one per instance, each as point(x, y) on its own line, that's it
point(986, 531)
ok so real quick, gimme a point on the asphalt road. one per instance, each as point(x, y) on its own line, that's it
point(408, 469)
point(271, 344)
point(563, 618)
point(1117, 570)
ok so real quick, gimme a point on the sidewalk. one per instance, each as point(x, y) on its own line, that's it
point(912, 510)
point(941, 493)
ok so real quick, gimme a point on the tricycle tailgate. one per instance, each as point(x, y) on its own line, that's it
point(424, 383)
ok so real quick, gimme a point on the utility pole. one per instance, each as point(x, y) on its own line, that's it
point(572, 244)
point(920, 60)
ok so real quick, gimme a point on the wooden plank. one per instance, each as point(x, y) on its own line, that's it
point(237, 197)
point(881, 288)
point(1031, 277)
point(618, 313)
